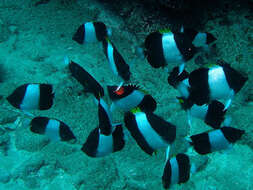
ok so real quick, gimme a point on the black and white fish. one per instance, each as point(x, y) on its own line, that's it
point(212, 114)
point(117, 63)
point(216, 140)
point(177, 170)
point(215, 83)
point(107, 137)
point(165, 47)
point(99, 145)
point(89, 83)
point(150, 131)
point(90, 32)
point(54, 129)
point(127, 97)
point(32, 96)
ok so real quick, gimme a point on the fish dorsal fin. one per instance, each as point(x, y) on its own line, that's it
point(165, 30)
point(138, 87)
point(108, 40)
point(180, 100)
point(210, 65)
point(135, 110)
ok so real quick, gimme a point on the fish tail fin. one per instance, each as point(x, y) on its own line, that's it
point(168, 152)
point(210, 38)
point(203, 40)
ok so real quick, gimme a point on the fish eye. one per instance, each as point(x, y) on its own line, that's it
point(120, 91)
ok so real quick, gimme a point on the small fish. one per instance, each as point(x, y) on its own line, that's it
point(99, 145)
point(212, 114)
point(32, 96)
point(54, 129)
point(215, 83)
point(117, 63)
point(85, 79)
point(127, 97)
point(176, 171)
point(215, 140)
point(150, 131)
point(107, 137)
point(205, 84)
point(165, 47)
point(90, 32)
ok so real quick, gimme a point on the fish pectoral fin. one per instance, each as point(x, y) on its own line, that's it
point(167, 154)
point(117, 124)
point(228, 103)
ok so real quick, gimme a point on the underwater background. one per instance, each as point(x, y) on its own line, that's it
point(36, 35)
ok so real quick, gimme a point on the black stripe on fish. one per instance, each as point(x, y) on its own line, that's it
point(104, 121)
point(46, 96)
point(16, 98)
point(65, 133)
point(167, 173)
point(190, 33)
point(184, 167)
point(132, 126)
point(185, 46)
point(199, 87)
point(118, 138)
point(148, 104)
point(235, 79)
point(232, 134)
point(154, 50)
point(122, 67)
point(86, 80)
point(119, 62)
point(79, 35)
point(210, 38)
point(201, 143)
point(91, 144)
point(164, 129)
point(215, 114)
point(101, 30)
point(38, 125)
